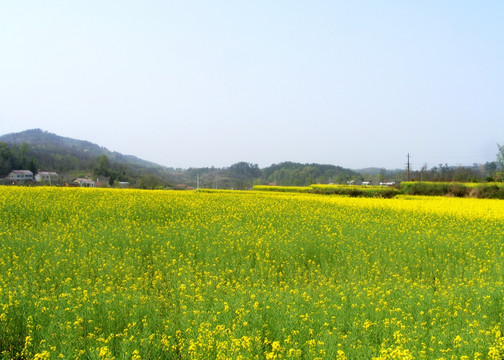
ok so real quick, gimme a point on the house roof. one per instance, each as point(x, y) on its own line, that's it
point(47, 173)
point(24, 172)
point(83, 180)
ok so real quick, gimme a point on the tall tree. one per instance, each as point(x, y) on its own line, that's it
point(500, 160)
point(490, 168)
point(103, 166)
point(32, 165)
point(6, 159)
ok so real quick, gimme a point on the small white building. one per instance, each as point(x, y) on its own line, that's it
point(46, 176)
point(84, 182)
point(20, 175)
point(388, 183)
point(124, 184)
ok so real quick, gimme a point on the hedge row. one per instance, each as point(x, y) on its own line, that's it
point(353, 191)
point(482, 191)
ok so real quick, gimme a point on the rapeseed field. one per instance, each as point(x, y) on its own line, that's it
point(131, 274)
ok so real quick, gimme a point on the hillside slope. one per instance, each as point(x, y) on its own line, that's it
point(49, 143)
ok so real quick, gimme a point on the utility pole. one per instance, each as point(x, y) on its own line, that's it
point(408, 167)
point(197, 182)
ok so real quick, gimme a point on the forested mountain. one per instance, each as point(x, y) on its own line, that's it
point(40, 150)
point(53, 150)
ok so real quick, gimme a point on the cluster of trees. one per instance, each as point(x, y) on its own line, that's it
point(443, 172)
point(238, 176)
point(488, 172)
point(245, 175)
point(119, 172)
point(16, 157)
point(295, 174)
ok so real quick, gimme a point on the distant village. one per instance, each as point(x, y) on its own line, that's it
point(25, 177)
point(44, 178)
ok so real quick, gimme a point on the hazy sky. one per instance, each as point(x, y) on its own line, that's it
point(202, 83)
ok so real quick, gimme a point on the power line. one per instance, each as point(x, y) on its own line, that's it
point(457, 156)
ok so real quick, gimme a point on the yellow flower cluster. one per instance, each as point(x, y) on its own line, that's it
point(132, 274)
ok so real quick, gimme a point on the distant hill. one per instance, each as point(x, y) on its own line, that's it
point(49, 143)
point(297, 174)
point(36, 149)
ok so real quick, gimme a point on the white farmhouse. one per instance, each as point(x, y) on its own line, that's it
point(20, 175)
point(83, 182)
point(45, 176)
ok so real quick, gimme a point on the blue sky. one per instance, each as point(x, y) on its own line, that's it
point(211, 83)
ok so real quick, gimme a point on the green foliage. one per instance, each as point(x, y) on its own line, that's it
point(16, 158)
point(446, 173)
point(102, 169)
point(7, 161)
